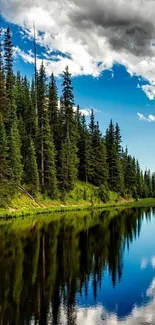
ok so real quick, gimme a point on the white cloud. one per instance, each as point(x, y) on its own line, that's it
point(149, 90)
point(144, 263)
point(99, 315)
point(94, 35)
point(150, 118)
point(151, 290)
point(83, 111)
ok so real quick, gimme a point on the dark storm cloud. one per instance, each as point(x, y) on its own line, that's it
point(125, 26)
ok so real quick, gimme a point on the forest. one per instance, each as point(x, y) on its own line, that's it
point(46, 146)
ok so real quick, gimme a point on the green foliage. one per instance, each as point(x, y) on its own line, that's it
point(31, 169)
point(69, 161)
point(44, 147)
point(15, 153)
point(115, 179)
point(103, 194)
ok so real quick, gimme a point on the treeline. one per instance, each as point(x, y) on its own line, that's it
point(46, 145)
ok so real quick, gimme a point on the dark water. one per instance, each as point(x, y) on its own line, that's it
point(92, 269)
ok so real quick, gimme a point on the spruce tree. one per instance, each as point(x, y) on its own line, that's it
point(69, 164)
point(68, 154)
point(5, 184)
point(83, 150)
point(118, 139)
point(31, 176)
point(45, 146)
point(18, 95)
point(153, 184)
point(53, 109)
point(15, 153)
point(8, 56)
point(3, 152)
point(100, 174)
point(29, 114)
point(68, 102)
point(3, 108)
point(50, 179)
point(91, 161)
point(115, 179)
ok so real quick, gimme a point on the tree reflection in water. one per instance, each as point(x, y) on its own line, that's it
point(47, 262)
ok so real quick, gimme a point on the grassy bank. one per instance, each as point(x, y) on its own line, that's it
point(84, 196)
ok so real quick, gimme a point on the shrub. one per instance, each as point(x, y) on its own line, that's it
point(103, 194)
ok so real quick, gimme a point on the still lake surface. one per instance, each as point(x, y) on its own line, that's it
point(87, 268)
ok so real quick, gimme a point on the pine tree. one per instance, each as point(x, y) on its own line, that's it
point(68, 154)
point(2, 83)
point(118, 139)
point(15, 153)
point(45, 149)
point(29, 114)
point(139, 181)
point(100, 161)
point(153, 184)
point(3, 152)
point(83, 150)
point(5, 184)
point(18, 95)
point(91, 160)
point(31, 176)
point(68, 102)
point(69, 161)
point(130, 177)
point(8, 56)
point(50, 179)
point(53, 109)
point(115, 167)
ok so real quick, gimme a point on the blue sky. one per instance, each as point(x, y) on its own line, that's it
point(115, 77)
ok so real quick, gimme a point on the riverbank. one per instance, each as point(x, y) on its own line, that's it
point(52, 207)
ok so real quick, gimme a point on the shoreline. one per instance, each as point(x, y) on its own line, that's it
point(27, 211)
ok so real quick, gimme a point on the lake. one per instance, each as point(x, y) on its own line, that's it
point(80, 268)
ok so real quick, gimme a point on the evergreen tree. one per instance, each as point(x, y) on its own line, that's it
point(29, 114)
point(139, 180)
point(83, 150)
point(68, 102)
point(8, 56)
point(2, 82)
point(153, 184)
point(5, 184)
point(118, 139)
point(3, 152)
point(31, 176)
point(15, 153)
point(130, 177)
point(45, 150)
point(18, 95)
point(69, 162)
point(115, 179)
point(50, 179)
point(91, 160)
point(53, 109)
point(100, 161)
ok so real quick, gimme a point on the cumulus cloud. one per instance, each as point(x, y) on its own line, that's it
point(99, 315)
point(150, 118)
point(149, 90)
point(145, 262)
point(93, 35)
point(83, 111)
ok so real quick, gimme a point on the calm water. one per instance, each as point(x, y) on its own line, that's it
point(92, 269)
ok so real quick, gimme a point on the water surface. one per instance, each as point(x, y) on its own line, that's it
point(90, 268)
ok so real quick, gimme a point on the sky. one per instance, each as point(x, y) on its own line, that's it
point(109, 46)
